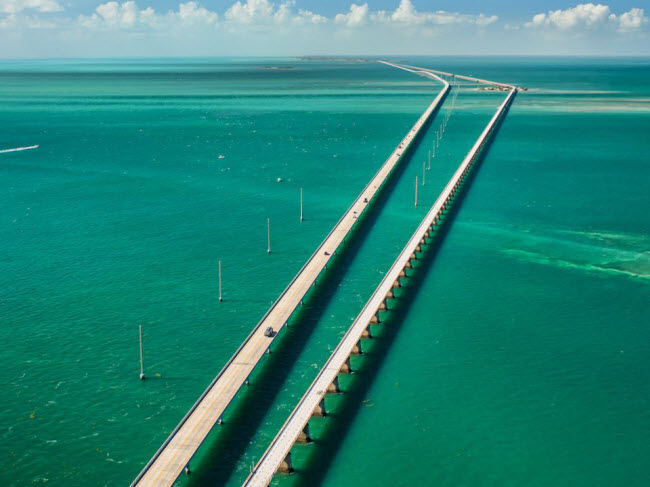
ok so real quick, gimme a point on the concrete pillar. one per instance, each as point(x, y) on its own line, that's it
point(422, 242)
point(366, 333)
point(356, 350)
point(382, 305)
point(333, 388)
point(286, 466)
point(402, 273)
point(408, 265)
point(389, 295)
point(304, 436)
point(397, 284)
point(418, 248)
point(375, 319)
point(346, 368)
point(319, 410)
point(413, 256)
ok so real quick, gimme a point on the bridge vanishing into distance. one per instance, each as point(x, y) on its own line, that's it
point(178, 449)
point(296, 429)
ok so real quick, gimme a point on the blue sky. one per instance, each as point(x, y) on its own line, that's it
point(69, 28)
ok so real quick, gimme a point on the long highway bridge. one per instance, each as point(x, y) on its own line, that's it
point(296, 428)
point(178, 449)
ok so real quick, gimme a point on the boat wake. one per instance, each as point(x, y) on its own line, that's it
point(19, 149)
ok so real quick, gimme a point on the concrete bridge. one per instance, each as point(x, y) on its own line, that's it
point(178, 449)
point(296, 428)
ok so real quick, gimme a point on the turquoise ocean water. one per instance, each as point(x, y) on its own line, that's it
point(516, 356)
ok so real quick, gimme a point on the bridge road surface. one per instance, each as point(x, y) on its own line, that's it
point(456, 76)
point(176, 452)
point(281, 446)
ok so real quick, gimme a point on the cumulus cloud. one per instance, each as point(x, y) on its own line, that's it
point(358, 15)
point(16, 6)
point(127, 15)
point(633, 19)
point(114, 14)
point(249, 11)
point(281, 27)
point(259, 14)
point(588, 16)
point(406, 14)
point(254, 15)
point(263, 11)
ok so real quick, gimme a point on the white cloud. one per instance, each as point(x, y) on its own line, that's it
point(247, 16)
point(249, 11)
point(280, 27)
point(485, 19)
point(406, 15)
point(127, 15)
point(588, 16)
point(264, 12)
point(191, 14)
point(310, 17)
point(634, 19)
point(358, 15)
point(259, 14)
point(15, 6)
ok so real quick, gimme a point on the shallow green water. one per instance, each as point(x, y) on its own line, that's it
point(516, 356)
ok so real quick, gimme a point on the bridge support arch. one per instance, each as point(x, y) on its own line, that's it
point(304, 436)
point(334, 388)
point(320, 410)
point(346, 368)
point(285, 465)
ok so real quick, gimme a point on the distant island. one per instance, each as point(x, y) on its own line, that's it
point(337, 59)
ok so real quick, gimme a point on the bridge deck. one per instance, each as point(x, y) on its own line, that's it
point(462, 76)
point(176, 452)
point(295, 424)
